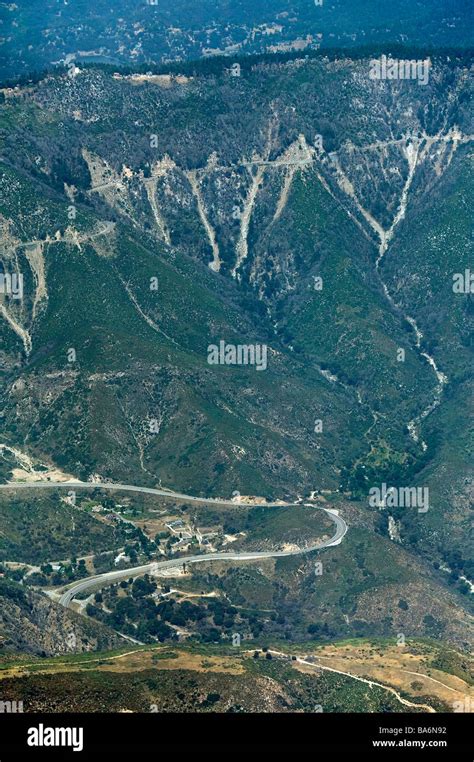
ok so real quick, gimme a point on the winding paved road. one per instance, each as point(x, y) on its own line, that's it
point(101, 580)
point(129, 488)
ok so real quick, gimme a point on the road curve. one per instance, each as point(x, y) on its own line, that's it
point(110, 577)
point(371, 683)
point(107, 578)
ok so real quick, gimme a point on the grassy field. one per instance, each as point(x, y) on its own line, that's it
point(150, 672)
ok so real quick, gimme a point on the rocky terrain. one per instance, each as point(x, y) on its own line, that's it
point(295, 204)
point(31, 623)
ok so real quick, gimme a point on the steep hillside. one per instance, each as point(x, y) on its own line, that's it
point(31, 623)
point(305, 211)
